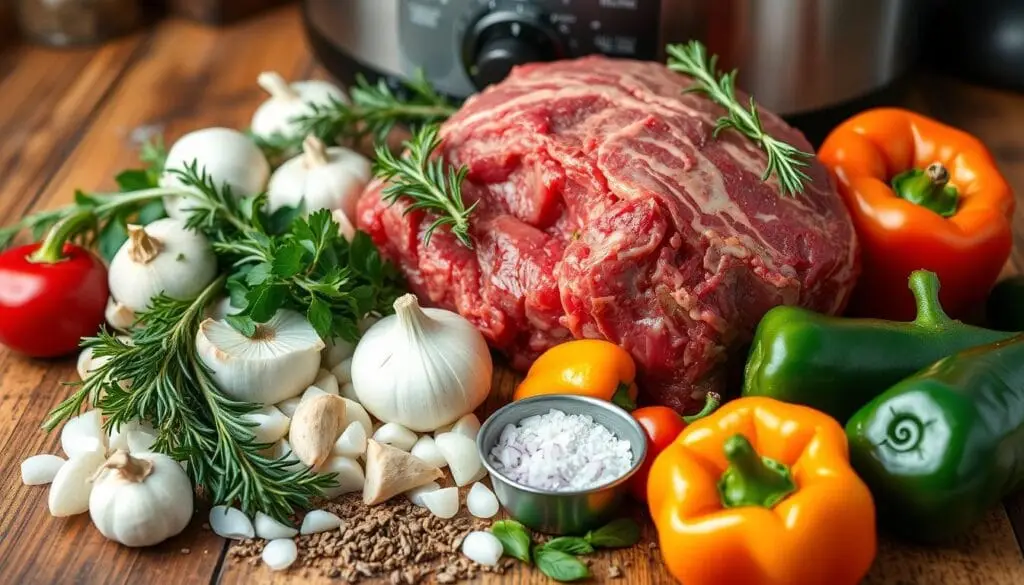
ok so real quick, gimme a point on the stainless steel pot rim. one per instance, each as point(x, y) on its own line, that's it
point(589, 404)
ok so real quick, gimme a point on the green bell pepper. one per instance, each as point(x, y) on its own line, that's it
point(943, 447)
point(1005, 306)
point(836, 365)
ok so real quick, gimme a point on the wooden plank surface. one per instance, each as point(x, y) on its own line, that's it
point(69, 120)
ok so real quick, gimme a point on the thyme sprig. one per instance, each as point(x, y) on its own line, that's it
point(428, 181)
point(158, 377)
point(784, 160)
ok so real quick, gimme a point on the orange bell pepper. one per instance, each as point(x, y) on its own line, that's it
point(585, 367)
point(922, 195)
point(761, 492)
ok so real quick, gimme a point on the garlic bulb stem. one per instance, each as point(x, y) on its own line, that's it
point(414, 321)
point(144, 246)
point(276, 86)
point(315, 151)
point(132, 469)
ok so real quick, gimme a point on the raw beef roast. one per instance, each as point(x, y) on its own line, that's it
point(607, 210)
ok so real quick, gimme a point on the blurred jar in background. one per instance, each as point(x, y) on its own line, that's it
point(76, 22)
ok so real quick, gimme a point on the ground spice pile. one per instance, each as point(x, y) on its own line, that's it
point(395, 540)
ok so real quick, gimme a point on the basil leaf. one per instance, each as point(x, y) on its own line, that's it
point(514, 537)
point(133, 180)
point(319, 316)
point(288, 260)
point(559, 565)
point(572, 545)
point(616, 534)
point(111, 237)
point(264, 301)
point(242, 324)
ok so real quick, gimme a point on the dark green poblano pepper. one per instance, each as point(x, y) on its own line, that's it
point(943, 447)
point(836, 365)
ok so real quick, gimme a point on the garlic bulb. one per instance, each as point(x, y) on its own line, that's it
point(227, 156)
point(320, 178)
point(140, 500)
point(162, 257)
point(287, 102)
point(280, 361)
point(444, 373)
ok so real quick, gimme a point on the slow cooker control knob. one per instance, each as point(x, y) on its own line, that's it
point(501, 40)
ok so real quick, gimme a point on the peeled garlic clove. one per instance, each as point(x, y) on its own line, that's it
point(226, 155)
point(287, 407)
point(415, 495)
point(40, 469)
point(117, 437)
point(310, 393)
point(326, 382)
point(443, 429)
point(279, 554)
point(395, 435)
point(355, 412)
point(71, 486)
point(270, 529)
point(349, 391)
point(349, 476)
point(280, 361)
point(481, 501)
point(462, 457)
point(352, 442)
point(83, 433)
point(337, 350)
point(283, 450)
point(343, 371)
point(426, 449)
point(221, 309)
point(271, 424)
point(442, 503)
point(140, 442)
point(319, 521)
point(84, 364)
point(119, 316)
point(482, 548)
point(231, 523)
point(468, 425)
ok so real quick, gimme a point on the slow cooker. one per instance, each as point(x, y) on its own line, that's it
point(796, 56)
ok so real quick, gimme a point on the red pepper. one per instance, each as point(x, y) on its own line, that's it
point(662, 425)
point(52, 293)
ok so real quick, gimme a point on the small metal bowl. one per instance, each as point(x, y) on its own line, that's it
point(561, 512)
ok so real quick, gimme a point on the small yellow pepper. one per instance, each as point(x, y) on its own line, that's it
point(585, 367)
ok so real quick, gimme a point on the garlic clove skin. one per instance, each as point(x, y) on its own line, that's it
point(271, 424)
point(72, 485)
point(84, 434)
point(162, 257)
point(445, 368)
point(118, 316)
point(228, 157)
point(350, 476)
point(320, 178)
point(40, 469)
point(288, 101)
point(279, 363)
point(231, 523)
point(140, 500)
point(279, 554)
point(395, 435)
point(270, 529)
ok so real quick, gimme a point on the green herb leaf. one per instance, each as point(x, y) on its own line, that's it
point(616, 534)
point(151, 212)
point(264, 301)
point(558, 565)
point(319, 316)
point(288, 260)
point(133, 180)
point(243, 324)
point(259, 274)
point(514, 537)
point(572, 545)
point(282, 218)
point(111, 237)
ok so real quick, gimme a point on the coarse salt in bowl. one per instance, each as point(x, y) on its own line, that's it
point(581, 453)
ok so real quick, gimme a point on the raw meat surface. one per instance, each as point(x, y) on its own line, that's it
point(607, 210)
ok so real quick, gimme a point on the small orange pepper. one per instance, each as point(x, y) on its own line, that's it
point(761, 492)
point(923, 196)
point(585, 367)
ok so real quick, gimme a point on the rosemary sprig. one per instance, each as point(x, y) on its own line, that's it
point(427, 181)
point(172, 389)
point(784, 160)
point(374, 111)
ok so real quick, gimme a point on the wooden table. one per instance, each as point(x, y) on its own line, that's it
point(68, 119)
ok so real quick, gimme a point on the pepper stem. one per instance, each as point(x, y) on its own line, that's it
point(711, 402)
point(621, 397)
point(928, 188)
point(752, 480)
point(925, 286)
point(51, 250)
